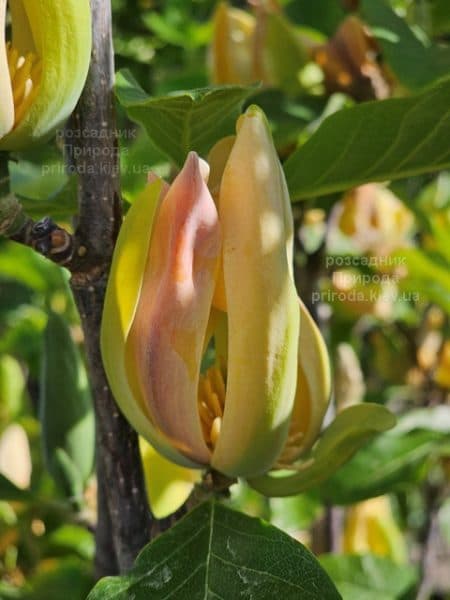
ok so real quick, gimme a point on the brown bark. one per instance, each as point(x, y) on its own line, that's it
point(92, 153)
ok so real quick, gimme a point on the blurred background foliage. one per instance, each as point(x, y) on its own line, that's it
point(372, 264)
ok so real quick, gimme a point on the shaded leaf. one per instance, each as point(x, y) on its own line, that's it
point(350, 430)
point(389, 462)
point(11, 493)
point(374, 141)
point(369, 577)
point(40, 180)
point(70, 579)
point(216, 553)
point(413, 63)
point(66, 412)
point(323, 15)
point(69, 539)
point(183, 121)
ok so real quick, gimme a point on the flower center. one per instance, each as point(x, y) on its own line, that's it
point(25, 73)
point(211, 402)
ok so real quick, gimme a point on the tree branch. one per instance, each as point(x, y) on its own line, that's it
point(91, 149)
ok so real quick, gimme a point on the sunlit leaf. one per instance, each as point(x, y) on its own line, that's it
point(374, 141)
point(183, 121)
point(218, 553)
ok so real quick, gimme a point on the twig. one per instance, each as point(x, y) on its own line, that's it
point(44, 236)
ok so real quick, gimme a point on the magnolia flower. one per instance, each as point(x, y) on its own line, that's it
point(246, 48)
point(188, 274)
point(370, 528)
point(232, 48)
point(43, 68)
point(202, 271)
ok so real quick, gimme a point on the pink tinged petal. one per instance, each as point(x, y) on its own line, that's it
point(122, 295)
point(167, 335)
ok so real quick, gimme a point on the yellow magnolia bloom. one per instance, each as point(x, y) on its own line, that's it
point(191, 273)
point(232, 50)
point(370, 528)
point(42, 68)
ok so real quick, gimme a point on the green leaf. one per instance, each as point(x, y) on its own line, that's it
point(426, 276)
point(295, 513)
point(12, 389)
point(440, 16)
point(216, 553)
point(40, 180)
point(391, 461)
point(191, 36)
point(285, 54)
point(184, 121)
point(350, 430)
point(66, 412)
point(374, 141)
point(11, 493)
point(70, 539)
point(24, 265)
point(70, 579)
point(369, 577)
point(10, 592)
point(414, 63)
point(323, 15)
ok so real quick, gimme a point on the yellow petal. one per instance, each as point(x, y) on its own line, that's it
point(124, 286)
point(168, 485)
point(217, 160)
point(232, 47)
point(167, 336)
point(6, 96)
point(313, 388)
point(263, 315)
point(61, 36)
point(22, 35)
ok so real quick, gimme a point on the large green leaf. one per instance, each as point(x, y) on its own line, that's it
point(392, 460)
point(414, 63)
point(216, 553)
point(352, 429)
point(369, 577)
point(184, 121)
point(374, 141)
point(66, 412)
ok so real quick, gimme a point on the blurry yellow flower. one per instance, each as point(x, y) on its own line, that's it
point(442, 372)
point(232, 58)
point(263, 48)
point(375, 219)
point(43, 68)
point(370, 528)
